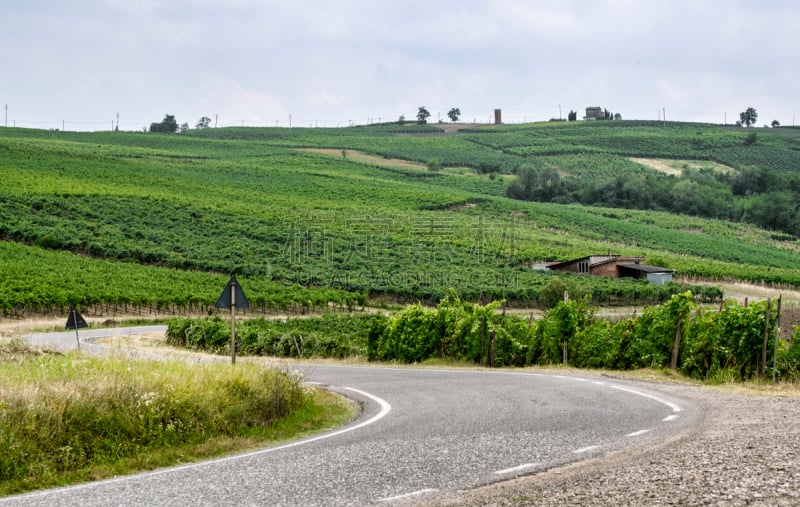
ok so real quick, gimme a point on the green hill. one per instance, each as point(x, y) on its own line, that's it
point(157, 219)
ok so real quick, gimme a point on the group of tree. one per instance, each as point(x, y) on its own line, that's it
point(169, 125)
point(766, 198)
point(455, 113)
point(423, 114)
point(606, 115)
point(747, 117)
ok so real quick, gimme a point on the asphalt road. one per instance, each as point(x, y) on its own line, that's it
point(422, 432)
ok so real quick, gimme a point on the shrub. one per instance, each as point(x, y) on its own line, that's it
point(71, 414)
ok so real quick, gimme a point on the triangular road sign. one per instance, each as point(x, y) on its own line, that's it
point(75, 320)
point(232, 295)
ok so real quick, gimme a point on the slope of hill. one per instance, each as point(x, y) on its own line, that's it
point(217, 201)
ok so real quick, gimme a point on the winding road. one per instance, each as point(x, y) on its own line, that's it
point(422, 432)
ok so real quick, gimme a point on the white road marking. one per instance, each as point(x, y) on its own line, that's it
point(408, 495)
point(585, 449)
point(516, 469)
point(637, 433)
point(673, 406)
point(670, 418)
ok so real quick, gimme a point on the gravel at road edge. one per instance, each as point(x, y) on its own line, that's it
point(745, 450)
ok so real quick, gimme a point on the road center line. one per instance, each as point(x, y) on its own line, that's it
point(637, 433)
point(585, 449)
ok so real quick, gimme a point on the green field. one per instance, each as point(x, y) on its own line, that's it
point(157, 220)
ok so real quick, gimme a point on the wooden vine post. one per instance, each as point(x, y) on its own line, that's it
point(483, 336)
point(762, 365)
point(676, 348)
point(564, 342)
point(777, 337)
point(491, 348)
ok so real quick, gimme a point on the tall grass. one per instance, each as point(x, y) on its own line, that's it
point(67, 418)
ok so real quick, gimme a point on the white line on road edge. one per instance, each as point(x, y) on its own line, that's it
point(585, 449)
point(637, 433)
point(673, 406)
point(385, 409)
point(670, 418)
point(409, 495)
point(516, 469)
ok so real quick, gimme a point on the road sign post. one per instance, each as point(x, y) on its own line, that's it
point(76, 321)
point(232, 297)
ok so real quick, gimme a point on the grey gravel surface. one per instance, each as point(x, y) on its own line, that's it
point(745, 451)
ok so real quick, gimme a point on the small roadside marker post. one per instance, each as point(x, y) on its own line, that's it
point(232, 297)
point(76, 321)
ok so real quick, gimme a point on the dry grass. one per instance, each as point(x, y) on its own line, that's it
point(81, 418)
point(675, 167)
point(364, 158)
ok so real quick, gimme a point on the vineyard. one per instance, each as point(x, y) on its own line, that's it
point(728, 343)
point(156, 222)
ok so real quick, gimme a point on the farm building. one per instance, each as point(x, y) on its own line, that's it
point(594, 113)
point(615, 266)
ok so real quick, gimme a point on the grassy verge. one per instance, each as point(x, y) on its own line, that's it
point(71, 418)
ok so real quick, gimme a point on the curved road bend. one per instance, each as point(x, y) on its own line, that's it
point(422, 432)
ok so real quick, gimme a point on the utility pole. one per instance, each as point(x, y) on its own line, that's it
point(6, 123)
point(215, 120)
point(117, 121)
point(559, 111)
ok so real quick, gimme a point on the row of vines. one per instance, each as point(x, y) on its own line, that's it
point(720, 344)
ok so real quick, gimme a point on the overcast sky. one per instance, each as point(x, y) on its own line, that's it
point(333, 62)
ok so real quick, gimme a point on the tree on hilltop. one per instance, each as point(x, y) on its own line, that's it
point(168, 125)
point(748, 117)
point(453, 114)
point(203, 123)
point(423, 115)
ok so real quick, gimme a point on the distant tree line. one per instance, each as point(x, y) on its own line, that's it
point(756, 195)
point(169, 125)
